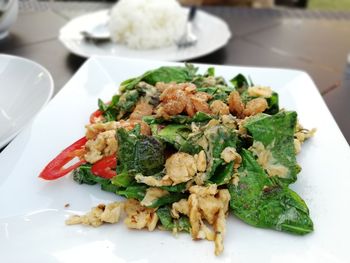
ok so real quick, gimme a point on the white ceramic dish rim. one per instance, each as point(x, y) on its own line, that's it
point(47, 99)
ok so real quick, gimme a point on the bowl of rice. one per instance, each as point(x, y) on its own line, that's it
point(147, 24)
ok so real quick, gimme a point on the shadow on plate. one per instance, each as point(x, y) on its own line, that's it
point(219, 56)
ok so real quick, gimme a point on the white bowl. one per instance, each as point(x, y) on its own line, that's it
point(25, 87)
point(8, 16)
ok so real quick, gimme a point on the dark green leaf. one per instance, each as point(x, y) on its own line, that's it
point(209, 90)
point(276, 133)
point(83, 175)
point(179, 119)
point(179, 188)
point(123, 179)
point(119, 105)
point(169, 74)
point(183, 224)
point(115, 100)
point(273, 104)
point(223, 174)
point(109, 188)
point(126, 150)
point(261, 202)
point(245, 96)
point(211, 72)
point(167, 199)
point(218, 137)
point(152, 120)
point(129, 83)
point(213, 140)
point(162, 74)
point(111, 110)
point(240, 83)
point(165, 218)
point(170, 224)
point(175, 134)
point(190, 148)
point(219, 92)
point(155, 128)
point(101, 105)
point(200, 117)
point(127, 102)
point(136, 153)
point(149, 155)
point(133, 192)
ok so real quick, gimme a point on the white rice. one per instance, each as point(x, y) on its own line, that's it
point(147, 24)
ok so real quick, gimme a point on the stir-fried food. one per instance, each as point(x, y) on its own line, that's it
point(185, 150)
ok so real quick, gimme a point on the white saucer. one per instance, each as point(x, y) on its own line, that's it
point(213, 33)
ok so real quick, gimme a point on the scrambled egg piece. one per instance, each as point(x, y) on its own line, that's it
point(101, 140)
point(297, 146)
point(230, 154)
point(229, 121)
point(180, 167)
point(255, 106)
point(235, 179)
point(101, 136)
point(180, 207)
point(260, 91)
point(209, 81)
point(267, 161)
point(153, 194)
point(203, 191)
point(98, 215)
point(201, 161)
point(213, 123)
point(139, 217)
point(300, 136)
point(105, 144)
point(92, 130)
point(152, 181)
point(205, 205)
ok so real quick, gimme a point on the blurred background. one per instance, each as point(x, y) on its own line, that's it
point(336, 5)
point(310, 4)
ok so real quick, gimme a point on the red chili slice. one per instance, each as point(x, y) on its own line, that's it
point(54, 169)
point(105, 167)
point(95, 115)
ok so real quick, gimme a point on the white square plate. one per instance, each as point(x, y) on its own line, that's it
point(33, 211)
